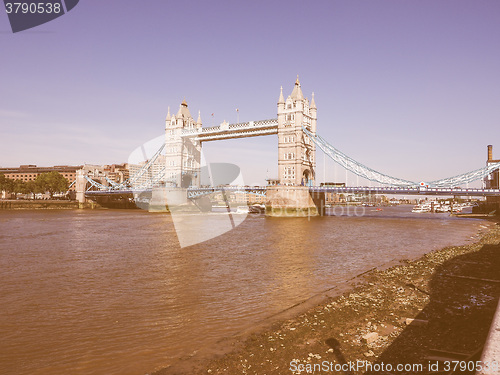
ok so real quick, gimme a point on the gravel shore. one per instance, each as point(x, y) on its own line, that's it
point(424, 312)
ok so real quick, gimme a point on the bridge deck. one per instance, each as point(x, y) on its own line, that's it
point(409, 191)
point(230, 131)
point(339, 190)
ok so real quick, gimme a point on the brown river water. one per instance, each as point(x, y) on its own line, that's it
point(112, 292)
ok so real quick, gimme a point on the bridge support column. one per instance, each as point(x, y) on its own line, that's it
point(294, 201)
point(176, 200)
point(161, 198)
point(80, 185)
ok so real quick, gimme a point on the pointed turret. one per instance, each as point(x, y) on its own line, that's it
point(281, 99)
point(313, 103)
point(168, 115)
point(297, 91)
point(198, 122)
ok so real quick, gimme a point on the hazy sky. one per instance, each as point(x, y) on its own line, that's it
point(409, 88)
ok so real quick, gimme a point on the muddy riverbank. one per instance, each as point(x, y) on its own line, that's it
point(439, 306)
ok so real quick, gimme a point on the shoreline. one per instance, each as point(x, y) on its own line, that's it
point(45, 204)
point(38, 204)
point(375, 316)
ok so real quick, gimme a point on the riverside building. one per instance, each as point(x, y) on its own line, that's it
point(30, 172)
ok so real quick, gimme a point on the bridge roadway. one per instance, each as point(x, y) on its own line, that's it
point(196, 192)
point(230, 131)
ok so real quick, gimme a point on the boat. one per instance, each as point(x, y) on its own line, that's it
point(422, 207)
point(257, 209)
point(242, 210)
point(441, 207)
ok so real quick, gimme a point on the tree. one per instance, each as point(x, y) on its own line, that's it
point(53, 182)
point(33, 188)
point(6, 184)
point(18, 187)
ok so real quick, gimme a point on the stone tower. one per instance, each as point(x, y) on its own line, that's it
point(492, 181)
point(183, 155)
point(296, 153)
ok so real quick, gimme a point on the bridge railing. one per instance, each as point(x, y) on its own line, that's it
point(251, 125)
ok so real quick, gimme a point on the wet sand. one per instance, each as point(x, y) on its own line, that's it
point(439, 306)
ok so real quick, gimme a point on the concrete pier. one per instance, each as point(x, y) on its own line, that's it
point(294, 201)
point(174, 200)
point(162, 198)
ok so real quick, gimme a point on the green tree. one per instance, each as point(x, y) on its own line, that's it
point(6, 184)
point(53, 182)
point(18, 187)
point(33, 188)
point(4, 181)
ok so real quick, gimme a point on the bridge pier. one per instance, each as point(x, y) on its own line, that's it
point(80, 185)
point(294, 201)
point(164, 198)
point(176, 200)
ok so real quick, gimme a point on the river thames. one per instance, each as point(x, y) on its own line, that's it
point(112, 292)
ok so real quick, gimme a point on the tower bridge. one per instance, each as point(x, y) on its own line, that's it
point(176, 164)
point(296, 164)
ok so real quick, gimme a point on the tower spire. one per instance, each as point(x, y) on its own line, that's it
point(168, 114)
point(198, 122)
point(281, 98)
point(297, 91)
point(313, 103)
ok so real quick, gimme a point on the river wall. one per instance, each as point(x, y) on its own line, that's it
point(42, 204)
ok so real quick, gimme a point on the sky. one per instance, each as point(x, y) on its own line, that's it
point(409, 88)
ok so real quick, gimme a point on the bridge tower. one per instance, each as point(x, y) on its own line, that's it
point(296, 153)
point(183, 155)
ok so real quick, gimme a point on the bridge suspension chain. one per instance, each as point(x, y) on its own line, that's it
point(95, 184)
point(355, 167)
point(134, 178)
point(466, 177)
point(372, 175)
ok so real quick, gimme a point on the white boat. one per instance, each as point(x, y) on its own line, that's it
point(242, 210)
point(257, 209)
point(422, 207)
point(442, 208)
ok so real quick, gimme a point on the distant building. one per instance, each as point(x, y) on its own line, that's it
point(492, 181)
point(30, 172)
point(117, 172)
